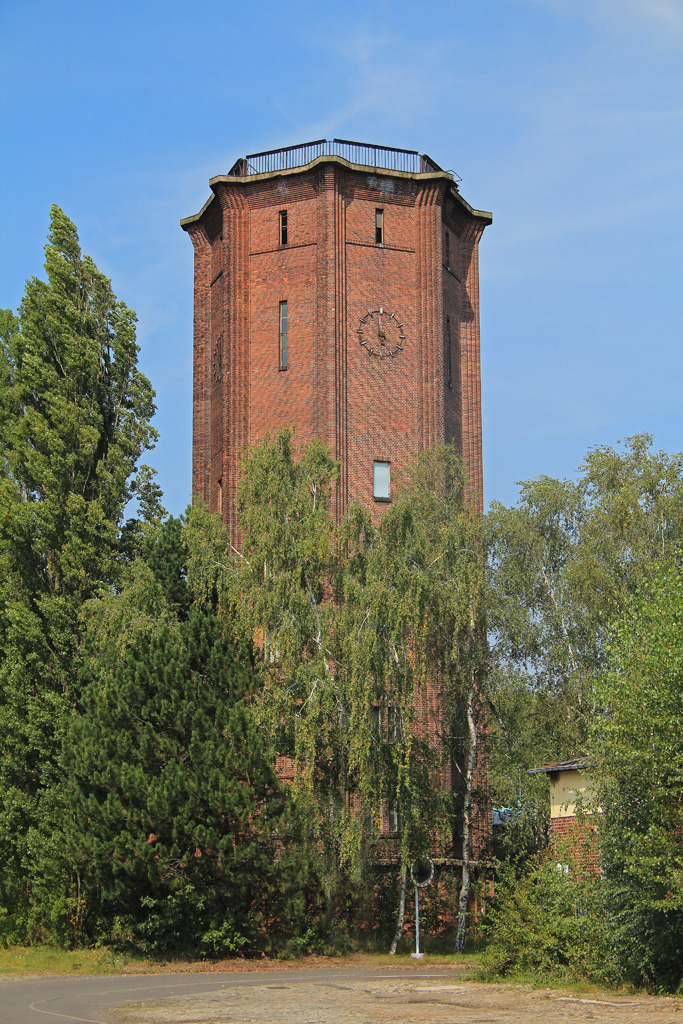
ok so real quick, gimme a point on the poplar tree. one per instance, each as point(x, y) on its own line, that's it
point(75, 416)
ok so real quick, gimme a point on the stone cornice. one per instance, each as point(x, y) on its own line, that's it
point(483, 216)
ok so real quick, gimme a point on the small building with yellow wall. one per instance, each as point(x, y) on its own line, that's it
point(571, 788)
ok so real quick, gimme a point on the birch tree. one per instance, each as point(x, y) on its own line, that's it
point(372, 642)
point(563, 564)
point(427, 572)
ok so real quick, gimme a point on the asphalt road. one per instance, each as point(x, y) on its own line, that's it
point(90, 1000)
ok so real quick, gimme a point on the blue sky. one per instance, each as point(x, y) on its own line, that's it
point(563, 117)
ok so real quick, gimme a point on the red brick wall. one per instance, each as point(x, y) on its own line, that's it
point(574, 839)
point(330, 273)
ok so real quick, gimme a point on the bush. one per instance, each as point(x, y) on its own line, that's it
point(550, 922)
point(638, 747)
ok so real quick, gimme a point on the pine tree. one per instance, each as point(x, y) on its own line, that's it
point(172, 804)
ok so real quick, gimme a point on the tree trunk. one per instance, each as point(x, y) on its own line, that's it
point(401, 912)
point(467, 826)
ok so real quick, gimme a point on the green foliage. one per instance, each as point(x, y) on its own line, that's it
point(74, 419)
point(588, 657)
point(362, 630)
point(638, 744)
point(415, 637)
point(166, 925)
point(278, 585)
point(563, 564)
point(172, 807)
point(549, 924)
point(165, 554)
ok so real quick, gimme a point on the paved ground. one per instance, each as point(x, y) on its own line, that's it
point(336, 996)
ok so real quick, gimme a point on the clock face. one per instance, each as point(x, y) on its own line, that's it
point(381, 333)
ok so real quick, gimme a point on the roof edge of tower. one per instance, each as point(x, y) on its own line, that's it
point(238, 179)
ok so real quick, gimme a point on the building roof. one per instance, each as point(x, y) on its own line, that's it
point(500, 815)
point(576, 764)
point(365, 154)
point(356, 156)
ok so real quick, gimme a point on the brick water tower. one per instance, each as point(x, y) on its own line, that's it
point(336, 288)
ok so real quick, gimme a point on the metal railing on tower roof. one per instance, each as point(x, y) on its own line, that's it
point(376, 157)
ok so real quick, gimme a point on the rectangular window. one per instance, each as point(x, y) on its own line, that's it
point(393, 725)
point(271, 647)
point(379, 227)
point(376, 722)
point(283, 227)
point(449, 354)
point(394, 816)
point(220, 497)
point(381, 481)
point(283, 335)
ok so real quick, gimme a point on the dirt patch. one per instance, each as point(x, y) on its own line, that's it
point(447, 1000)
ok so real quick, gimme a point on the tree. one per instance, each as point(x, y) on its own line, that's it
point(373, 647)
point(172, 805)
point(624, 924)
point(637, 742)
point(278, 586)
point(562, 566)
point(417, 635)
point(75, 416)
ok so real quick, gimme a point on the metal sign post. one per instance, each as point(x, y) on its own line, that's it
point(421, 872)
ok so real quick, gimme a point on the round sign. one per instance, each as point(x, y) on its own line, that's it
point(422, 871)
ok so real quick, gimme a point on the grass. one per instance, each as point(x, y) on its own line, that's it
point(580, 986)
point(37, 960)
point(34, 961)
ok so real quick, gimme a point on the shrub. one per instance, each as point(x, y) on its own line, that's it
point(550, 922)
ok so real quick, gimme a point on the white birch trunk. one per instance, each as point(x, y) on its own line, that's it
point(401, 912)
point(467, 826)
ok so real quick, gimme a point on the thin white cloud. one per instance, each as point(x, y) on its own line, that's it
point(662, 19)
point(387, 82)
point(666, 15)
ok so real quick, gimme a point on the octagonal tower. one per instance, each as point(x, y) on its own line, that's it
point(337, 290)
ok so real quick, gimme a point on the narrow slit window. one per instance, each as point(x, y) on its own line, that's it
point(283, 335)
point(448, 251)
point(393, 725)
point(449, 354)
point(271, 647)
point(381, 481)
point(283, 227)
point(376, 722)
point(379, 227)
point(394, 816)
point(220, 497)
